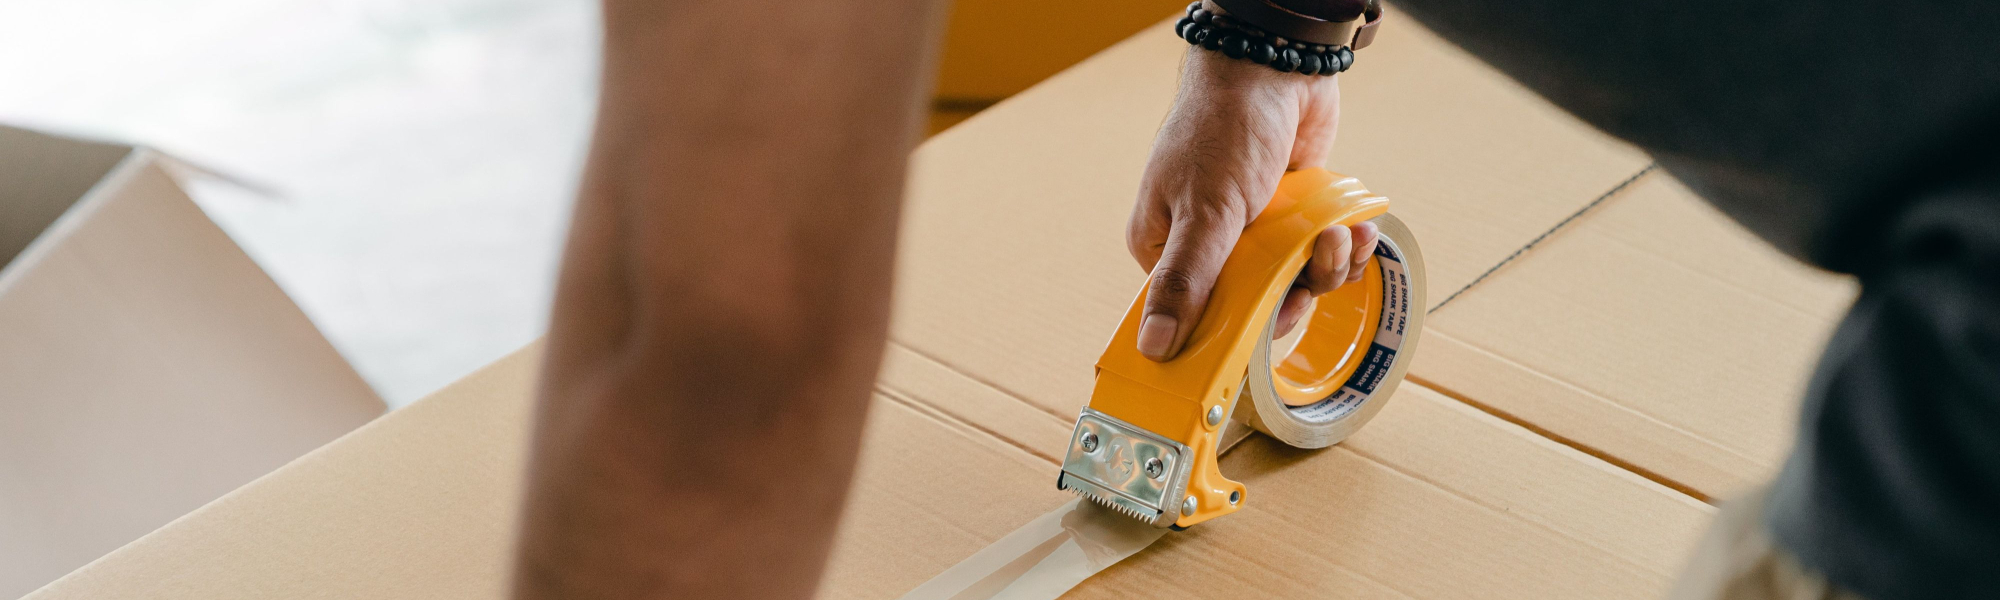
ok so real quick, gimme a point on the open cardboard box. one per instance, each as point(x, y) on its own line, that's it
point(147, 366)
point(1012, 274)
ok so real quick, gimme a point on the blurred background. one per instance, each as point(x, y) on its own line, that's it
point(412, 160)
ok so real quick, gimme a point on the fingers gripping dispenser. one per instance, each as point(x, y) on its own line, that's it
point(1147, 445)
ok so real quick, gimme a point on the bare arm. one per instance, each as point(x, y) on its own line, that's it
point(723, 298)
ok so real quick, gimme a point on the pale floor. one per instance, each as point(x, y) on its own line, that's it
point(425, 150)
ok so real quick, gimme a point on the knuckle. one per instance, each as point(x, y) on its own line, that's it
point(1212, 211)
point(1323, 266)
point(1145, 238)
point(1331, 284)
point(1316, 279)
point(1172, 285)
point(1337, 233)
point(1142, 247)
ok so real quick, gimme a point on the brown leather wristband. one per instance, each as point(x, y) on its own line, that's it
point(1283, 22)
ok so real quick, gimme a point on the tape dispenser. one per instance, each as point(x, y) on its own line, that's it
point(1148, 443)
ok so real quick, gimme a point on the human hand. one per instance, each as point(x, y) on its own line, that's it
point(1235, 129)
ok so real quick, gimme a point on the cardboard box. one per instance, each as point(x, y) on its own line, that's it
point(1013, 273)
point(148, 365)
point(1653, 330)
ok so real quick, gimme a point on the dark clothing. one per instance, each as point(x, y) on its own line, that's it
point(1338, 11)
point(1738, 560)
point(1800, 119)
point(1894, 487)
point(1863, 137)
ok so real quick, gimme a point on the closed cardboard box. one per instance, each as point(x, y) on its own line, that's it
point(147, 366)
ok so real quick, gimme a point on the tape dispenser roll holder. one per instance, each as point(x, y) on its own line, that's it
point(1148, 442)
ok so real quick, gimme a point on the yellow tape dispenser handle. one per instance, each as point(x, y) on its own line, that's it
point(1147, 443)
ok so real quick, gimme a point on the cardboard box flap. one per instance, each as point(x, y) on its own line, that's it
point(150, 366)
point(417, 504)
point(1653, 330)
point(41, 176)
point(1014, 268)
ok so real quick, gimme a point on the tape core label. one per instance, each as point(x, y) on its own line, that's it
point(1389, 332)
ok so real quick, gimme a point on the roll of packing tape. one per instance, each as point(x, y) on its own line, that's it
point(1315, 387)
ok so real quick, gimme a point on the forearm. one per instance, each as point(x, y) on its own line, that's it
point(724, 297)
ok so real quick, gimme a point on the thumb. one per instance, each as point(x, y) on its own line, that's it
point(1179, 286)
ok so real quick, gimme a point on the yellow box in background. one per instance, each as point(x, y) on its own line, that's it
point(996, 48)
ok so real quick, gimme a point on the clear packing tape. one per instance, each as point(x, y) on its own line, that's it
point(1047, 557)
point(1044, 558)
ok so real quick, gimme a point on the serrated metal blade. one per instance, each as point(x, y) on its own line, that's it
point(1132, 470)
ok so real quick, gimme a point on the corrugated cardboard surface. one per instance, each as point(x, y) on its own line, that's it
point(1042, 184)
point(1013, 273)
point(421, 504)
point(1653, 330)
point(147, 366)
point(1431, 500)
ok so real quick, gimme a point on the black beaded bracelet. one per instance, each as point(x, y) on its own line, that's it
point(1236, 39)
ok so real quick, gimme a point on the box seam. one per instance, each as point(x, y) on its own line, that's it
point(1566, 441)
point(955, 421)
point(88, 203)
point(1593, 395)
point(1497, 511)
point(1559, 226)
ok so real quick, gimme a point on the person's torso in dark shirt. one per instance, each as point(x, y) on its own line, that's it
point(1861, 137)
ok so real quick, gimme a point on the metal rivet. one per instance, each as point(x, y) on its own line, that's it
point(1234, 496)
point(1188, 506)
point(1215, 415)
point(1089, 442)
point(1155, 469)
